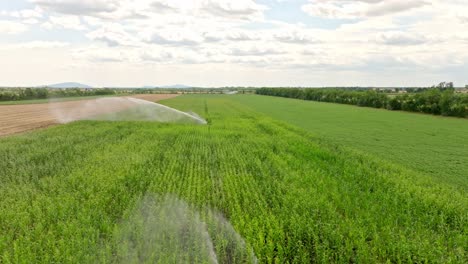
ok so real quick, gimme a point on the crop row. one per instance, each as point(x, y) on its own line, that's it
point(246, 184)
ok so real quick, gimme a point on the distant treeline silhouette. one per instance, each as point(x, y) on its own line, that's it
point(435, 101)
point(17, 94)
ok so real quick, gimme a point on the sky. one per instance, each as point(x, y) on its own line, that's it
point(213, 43)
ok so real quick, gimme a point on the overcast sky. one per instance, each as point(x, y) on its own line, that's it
point(234, 43)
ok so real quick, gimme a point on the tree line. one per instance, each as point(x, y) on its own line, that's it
point(431, 101)
point(17, 94)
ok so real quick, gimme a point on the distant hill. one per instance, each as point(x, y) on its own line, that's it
point(68, 85)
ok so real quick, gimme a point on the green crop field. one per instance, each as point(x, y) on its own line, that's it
point(434, 145)
point(249, 186)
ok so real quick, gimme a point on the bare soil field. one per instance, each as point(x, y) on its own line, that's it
point(20, 118)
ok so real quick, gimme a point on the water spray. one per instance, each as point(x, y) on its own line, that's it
point(121, 109)
point(165, 229)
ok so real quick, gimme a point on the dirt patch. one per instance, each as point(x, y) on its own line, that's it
point(20, 118)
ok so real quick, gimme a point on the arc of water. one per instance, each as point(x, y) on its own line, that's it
point(202, 121)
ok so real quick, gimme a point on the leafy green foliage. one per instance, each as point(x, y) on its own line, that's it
point(68, 194)
point(430, 101)
point(18, 94)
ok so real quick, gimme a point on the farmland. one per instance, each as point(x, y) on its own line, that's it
point(19, 118)
point(94, 191)
point(434, 146)
point(443, 100)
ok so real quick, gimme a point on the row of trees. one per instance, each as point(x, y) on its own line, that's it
point(432, 101)
point(219, 90)
point(16, 94)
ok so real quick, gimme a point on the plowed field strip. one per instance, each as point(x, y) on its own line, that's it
point(21, 118)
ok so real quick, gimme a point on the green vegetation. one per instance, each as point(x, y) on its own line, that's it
point(75, 193)
point(19, 94)
point(62, 99)
point(42, 95)
point(436, 146)
point(437, 101)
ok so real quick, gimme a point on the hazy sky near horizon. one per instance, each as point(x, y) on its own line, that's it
point(234, 43)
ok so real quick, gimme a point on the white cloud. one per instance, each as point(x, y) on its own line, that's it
point(207, 35)
point(230, 35)
point(26, 16)
point(64, 21)
point(256, 50)
point(333, 9)
point(160, 57)
point(343, 9)
point(463, 19)
point(78, 7)
point(296, 37)
point(393, 6)
point(27, 13)
point(400, 38)
point(174, 37)
point(10, 27)
point(112, 34)
point(37, 46)
point(163, 6)
point(43, 44)
point(241, 35)
point(103, 55)
point(239, 9)
point(140, 9)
